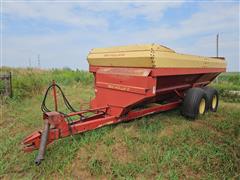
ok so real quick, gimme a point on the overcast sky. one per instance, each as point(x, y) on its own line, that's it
point(64, 32)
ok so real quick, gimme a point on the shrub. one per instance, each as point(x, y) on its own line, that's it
point(27, 82)
point(227, 83)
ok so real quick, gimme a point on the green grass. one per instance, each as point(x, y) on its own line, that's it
point(160, 146)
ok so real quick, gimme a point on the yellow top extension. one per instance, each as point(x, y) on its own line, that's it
point(150, 56)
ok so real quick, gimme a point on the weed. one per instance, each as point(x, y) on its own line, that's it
point(95, 166)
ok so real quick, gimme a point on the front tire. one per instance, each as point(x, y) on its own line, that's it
point(194, 103)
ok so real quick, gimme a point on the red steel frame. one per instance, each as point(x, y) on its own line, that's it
point(63, 129)
point(122, 94)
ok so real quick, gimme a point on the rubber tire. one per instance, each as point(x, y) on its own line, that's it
point(191, 102)
point(210, 92)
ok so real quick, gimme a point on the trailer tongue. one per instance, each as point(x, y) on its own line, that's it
point(131, 82)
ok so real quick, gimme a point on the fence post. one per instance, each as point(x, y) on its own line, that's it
point(10, 85)
point(7, 81)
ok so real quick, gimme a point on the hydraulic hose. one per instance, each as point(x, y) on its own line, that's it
point(66, 102)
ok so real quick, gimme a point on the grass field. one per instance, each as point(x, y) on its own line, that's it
point(160, 146)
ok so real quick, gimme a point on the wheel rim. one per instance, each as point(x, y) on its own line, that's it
point(214, 102)
point(202, 106)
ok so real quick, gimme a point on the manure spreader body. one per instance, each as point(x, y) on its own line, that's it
point(131, 82)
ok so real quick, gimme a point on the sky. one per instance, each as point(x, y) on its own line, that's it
point(61, 33)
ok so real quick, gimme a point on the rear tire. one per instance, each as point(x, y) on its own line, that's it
point(194, 103)
point(212, 98)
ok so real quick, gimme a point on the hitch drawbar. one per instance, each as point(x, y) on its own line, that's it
point(58, 125)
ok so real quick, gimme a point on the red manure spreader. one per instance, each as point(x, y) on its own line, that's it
point(132, 82)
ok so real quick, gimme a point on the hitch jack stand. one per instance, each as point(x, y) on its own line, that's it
point(43, 144)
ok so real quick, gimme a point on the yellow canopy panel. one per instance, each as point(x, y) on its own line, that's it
point(150, 56)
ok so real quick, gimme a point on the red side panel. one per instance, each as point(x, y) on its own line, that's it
point(122, 88)
point(119, 91)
